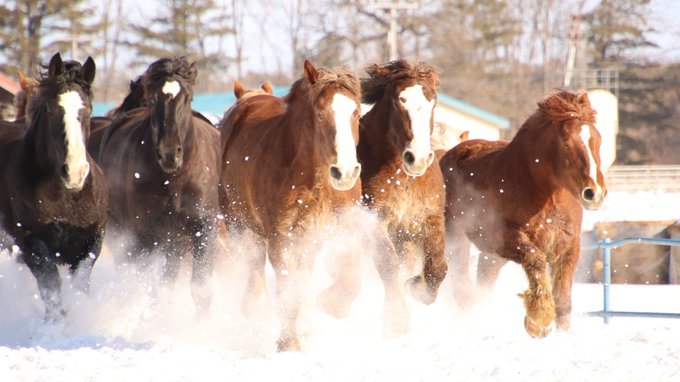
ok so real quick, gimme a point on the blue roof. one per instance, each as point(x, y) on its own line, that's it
point(216, 103)
point(465, 107)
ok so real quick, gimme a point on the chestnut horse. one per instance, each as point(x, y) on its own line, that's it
point(54, 197)
point(163, 167)
point(399, 182)
point(523, 200)
point(288, 165)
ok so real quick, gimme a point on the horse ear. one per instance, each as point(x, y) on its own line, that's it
point(56, 66)
point(381, 70)
point(267, 87)
point(583, 98)
point(23, 81)
point(311, 73)
point(192, 73)
point(88, 70)
point(238, 89)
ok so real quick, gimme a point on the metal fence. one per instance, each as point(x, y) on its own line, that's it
point(607, 246)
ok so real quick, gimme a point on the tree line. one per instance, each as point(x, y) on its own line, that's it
point(501, 55)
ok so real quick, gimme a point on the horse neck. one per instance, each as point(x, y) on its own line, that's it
point(376, 129)
point(297, 126)
point(39, 147)
point(523, 152)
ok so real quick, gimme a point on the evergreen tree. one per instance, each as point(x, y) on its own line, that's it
point(35, 29)
point(617, 27)
point(188, 28)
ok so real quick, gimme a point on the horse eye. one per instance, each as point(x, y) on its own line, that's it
point(402, 99)
point(319, 117)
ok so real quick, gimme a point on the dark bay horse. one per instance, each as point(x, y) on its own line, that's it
point(523, 201)
point(399, 182)
point(288, 165)
point(54, 197)
point(163, 165)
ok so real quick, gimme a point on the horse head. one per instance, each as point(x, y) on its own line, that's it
point(575, 142)
point(410, 94)
point(168, 85)
point(336, 110)
point(60, 112)
point(241, 92)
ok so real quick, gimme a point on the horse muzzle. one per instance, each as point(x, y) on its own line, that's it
point(170, 162)
point(592, 198)
point(75, 180)
point(344, 177)
point(416, 165)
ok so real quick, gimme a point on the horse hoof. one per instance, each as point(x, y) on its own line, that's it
point(418, 289)
point(534, 330)
point(287, 344)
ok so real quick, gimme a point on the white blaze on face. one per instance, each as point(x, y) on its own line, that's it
point(172, 88)
point(585, 137)
point(419, 111)
point(345, 147)
point(76, 154)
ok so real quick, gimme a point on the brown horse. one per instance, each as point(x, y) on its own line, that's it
point(288, 165)
point(54, 197)
point(399, 182)
point(523, 200)
point(163, 167)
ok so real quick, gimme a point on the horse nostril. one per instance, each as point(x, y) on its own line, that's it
point(179, 149)
point(335, 172)
point(588, 194)
point(356, 171)
point(409, 158)
point(430, 158)
point(64, 171)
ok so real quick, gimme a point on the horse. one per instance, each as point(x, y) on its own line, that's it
point(242, 93)
point(163, 164)
point(523, 200)
point(289, 164)
point(54, 197)
point(400, 183)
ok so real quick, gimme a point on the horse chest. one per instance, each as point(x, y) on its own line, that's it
point(405, 200)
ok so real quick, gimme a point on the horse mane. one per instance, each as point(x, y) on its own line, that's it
point(379, 76)
point(166, 68)
point(340, 76)
point(561, 106)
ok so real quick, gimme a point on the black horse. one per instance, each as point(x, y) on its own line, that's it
point(53, 197)
point(162, 162)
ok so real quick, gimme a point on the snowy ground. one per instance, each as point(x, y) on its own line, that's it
point(119, 333)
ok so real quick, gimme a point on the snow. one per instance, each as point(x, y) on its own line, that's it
point(126, 329)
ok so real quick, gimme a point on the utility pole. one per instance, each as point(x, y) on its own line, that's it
point(394, 6)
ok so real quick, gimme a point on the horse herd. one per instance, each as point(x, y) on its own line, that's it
point(159, 173)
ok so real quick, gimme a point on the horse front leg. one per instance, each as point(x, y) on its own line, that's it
point(538, 299)
point(388, 264)
point(287, 267)
point(425, 286)
point(458, 254)
point(43, 267)
point(203, 237)
point(563, 278)
point(81, 271)
point(344, 268)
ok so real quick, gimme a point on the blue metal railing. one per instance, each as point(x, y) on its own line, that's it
point(607, 245)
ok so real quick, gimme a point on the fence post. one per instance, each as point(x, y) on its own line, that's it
point(606, 277)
